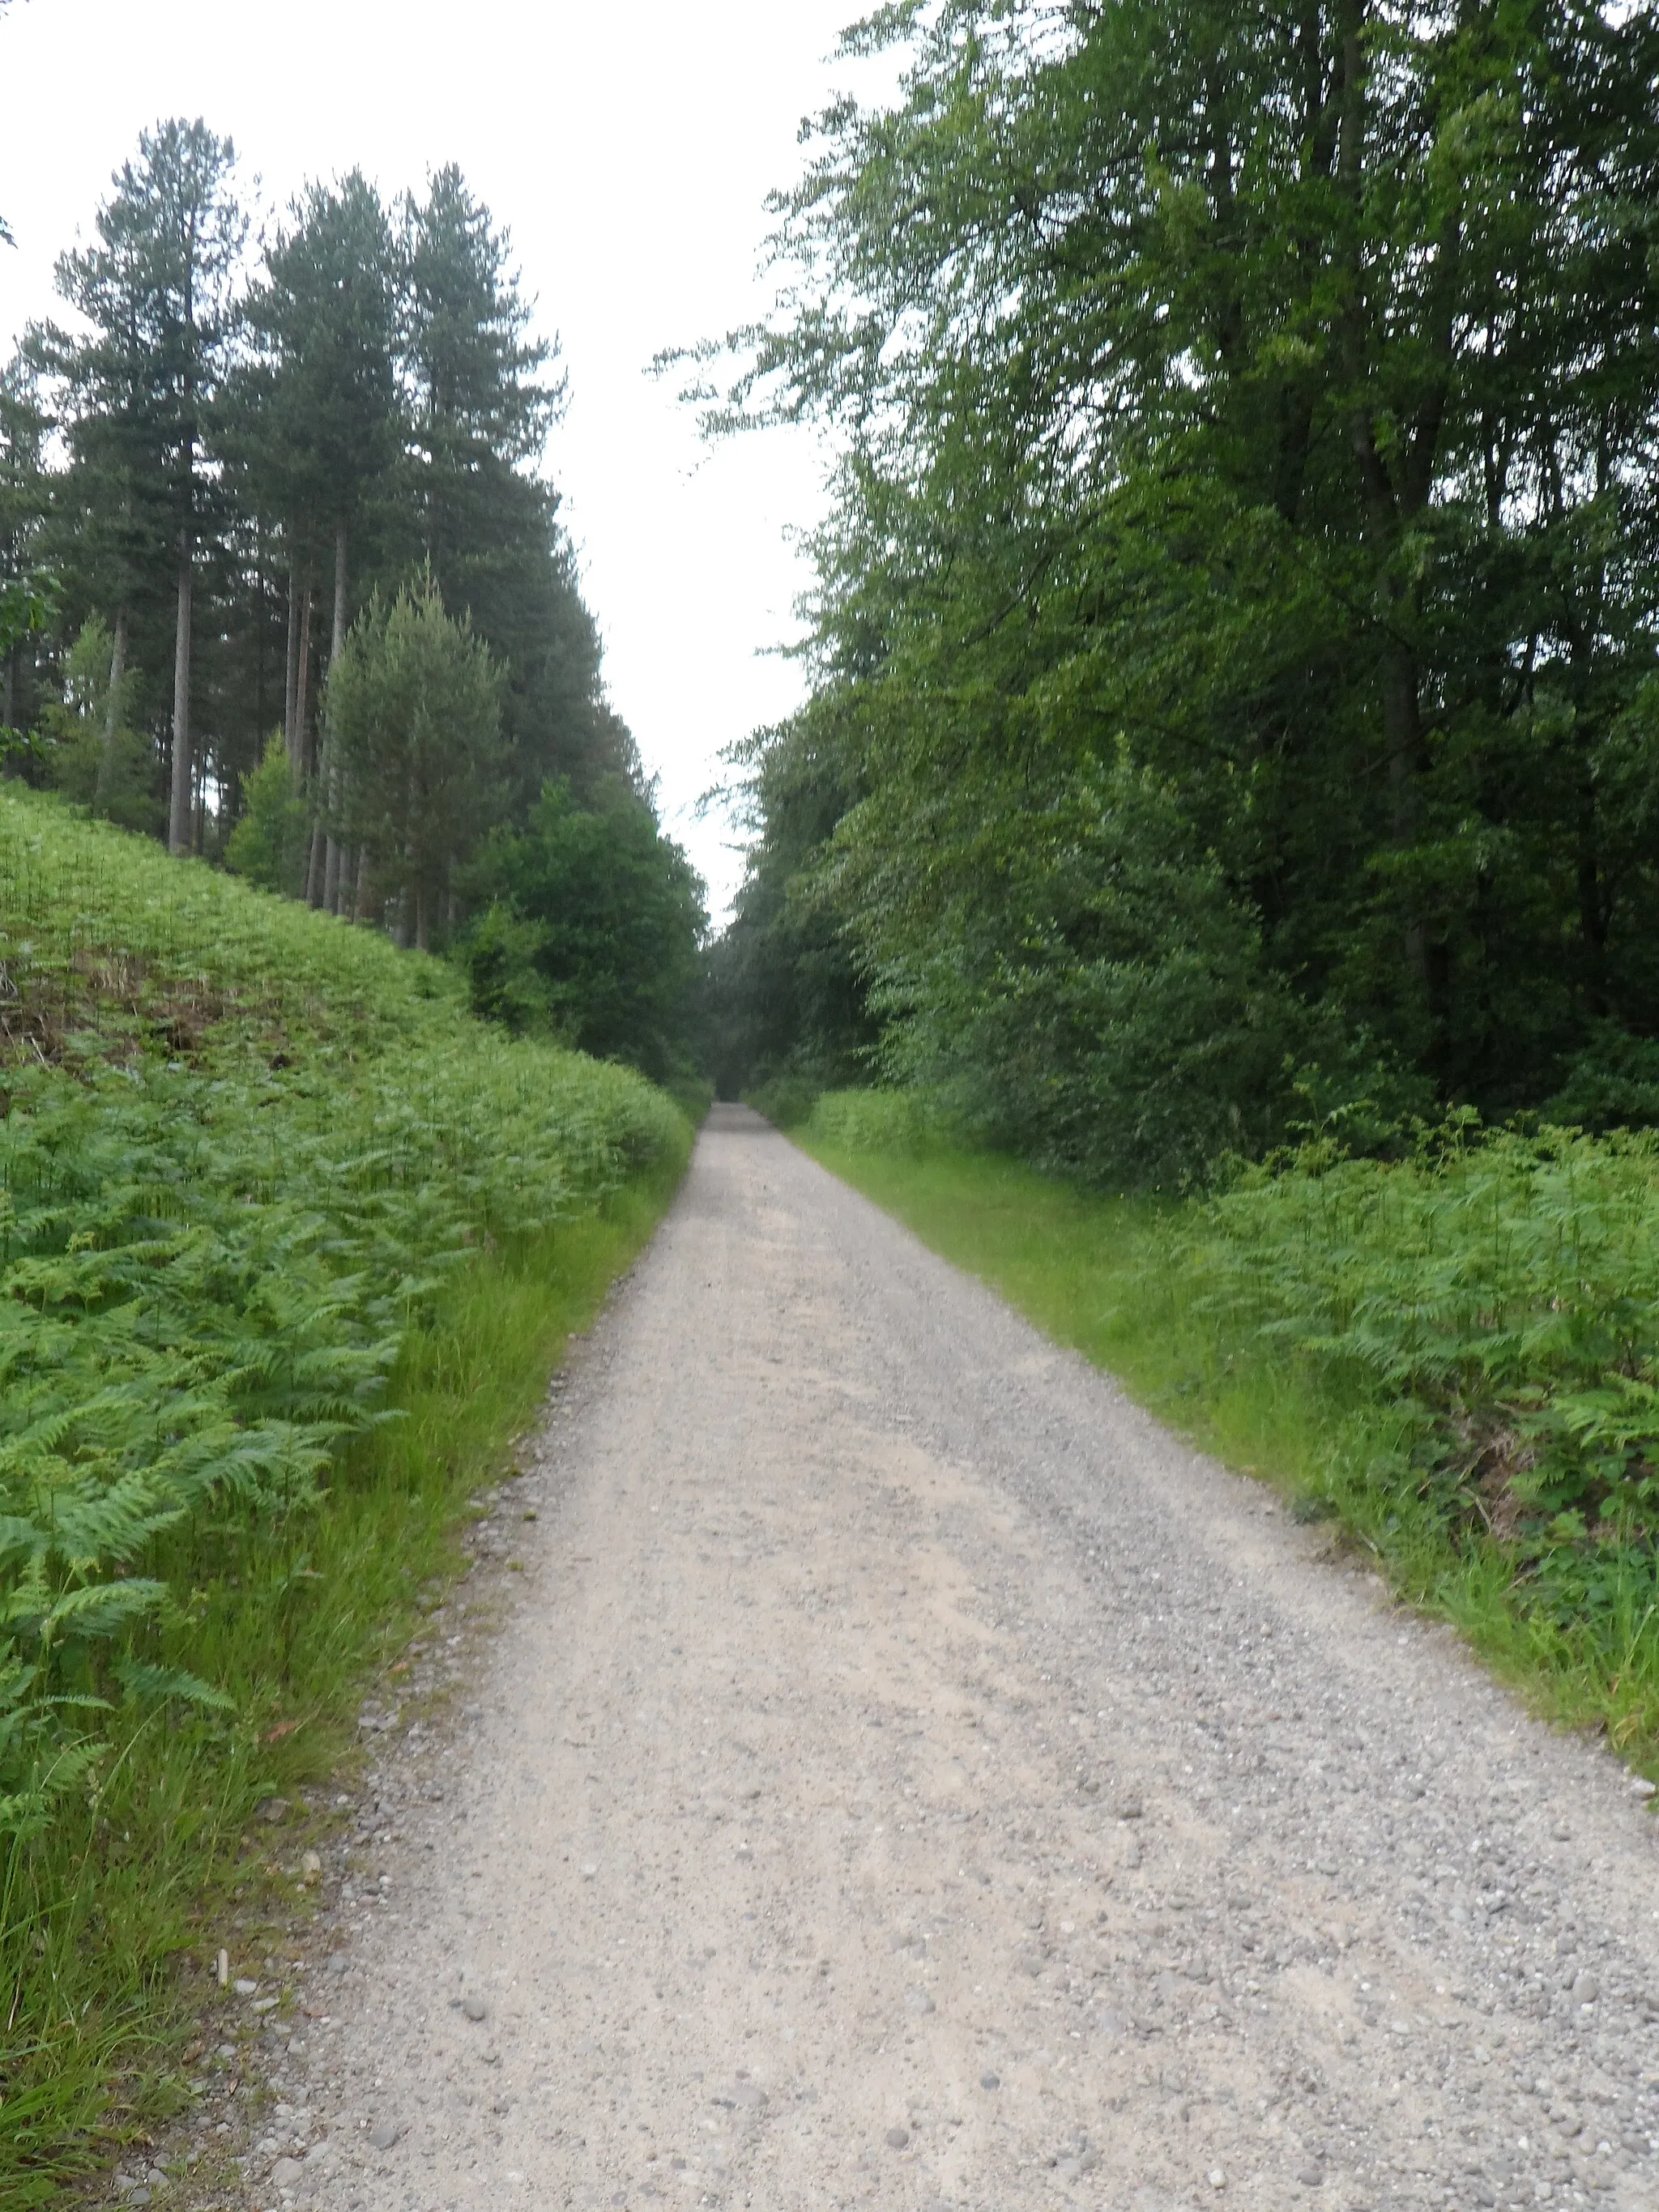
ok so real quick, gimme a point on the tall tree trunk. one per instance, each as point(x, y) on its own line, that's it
point(314, 866)
point(179, 821)
point(302, 683)
point(7, 690)
point(421, 938)
point(360, 896)
point(117, 671)
point(333, 866)
point(291, 690)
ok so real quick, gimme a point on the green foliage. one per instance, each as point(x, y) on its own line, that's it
point(1235, 631)
point(1454, 1356)
point(288, 1248)
point(895, 1125)
point(414, 705)
point(314, 411)
point(784, 1000)
point(271, 841)
point(222, 1212)
point(97, 757)
point(361, 406)
point(498, 956)
point(1504, 1293)
point(610, 918)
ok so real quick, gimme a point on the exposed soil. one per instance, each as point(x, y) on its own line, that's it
point(909, 1776)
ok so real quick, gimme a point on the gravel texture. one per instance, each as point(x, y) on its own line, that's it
point(909, 1776)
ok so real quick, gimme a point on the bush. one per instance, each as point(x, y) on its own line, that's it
point(898, 1124)
point(609, 914)
point(1501, 1292)
point(270, 844)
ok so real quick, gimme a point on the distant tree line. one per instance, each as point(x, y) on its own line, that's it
point(1235, 696)
point(282, 581)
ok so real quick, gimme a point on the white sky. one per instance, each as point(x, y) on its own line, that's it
point(628, 149)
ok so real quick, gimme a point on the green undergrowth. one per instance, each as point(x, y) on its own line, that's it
point(1452, 1358)
point(289, 1246)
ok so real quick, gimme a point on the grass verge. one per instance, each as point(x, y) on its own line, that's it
point(102, 1917)
point(1146, 1288)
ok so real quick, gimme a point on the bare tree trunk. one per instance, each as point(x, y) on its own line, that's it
point(291, 689)
point(334, 859)
point(117, 671)
point(422, 938)
point(314, 866)
point(360, 895)
point(308, 751)
point(302, 683)
point(7, 690)
point(179, 821)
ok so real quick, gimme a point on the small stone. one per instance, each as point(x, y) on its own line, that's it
point(1216, 2178)
point(898, 2137)
point(990, 2081)
point(1585, 1988)
point(1130, 1808)
point(336, 1963)
point(918, 2001)
point(1310, 2177)
point(475, 2007)
point(311, 1869)
point(384, 2135)
point(1640, 1786)
point(588, 1873)
point(287, 2173)
point(246, 1989)
point(273, 1809)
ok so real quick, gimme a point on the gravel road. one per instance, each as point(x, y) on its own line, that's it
point(909, 1776)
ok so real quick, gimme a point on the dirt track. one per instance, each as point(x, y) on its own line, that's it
point(911, 1778)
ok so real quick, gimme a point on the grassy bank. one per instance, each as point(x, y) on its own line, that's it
point(288, 1249)
point(1452, 1358)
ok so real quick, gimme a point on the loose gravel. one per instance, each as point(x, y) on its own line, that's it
point(910, 1777)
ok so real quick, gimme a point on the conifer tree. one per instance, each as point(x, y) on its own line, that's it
point(320, 418)
point(157, 289)
point(414, 703)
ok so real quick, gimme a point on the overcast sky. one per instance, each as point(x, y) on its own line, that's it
point(628, 149)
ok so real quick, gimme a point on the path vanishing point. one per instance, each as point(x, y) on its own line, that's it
point(908, 1776)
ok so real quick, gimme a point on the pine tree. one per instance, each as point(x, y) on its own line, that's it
point(158, 291)
point(414, 702)
point(24, 500)
point(320, 419)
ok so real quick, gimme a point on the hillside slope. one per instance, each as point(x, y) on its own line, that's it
point(273, 1208)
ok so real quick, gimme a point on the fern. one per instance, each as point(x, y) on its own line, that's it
point(243, 1150)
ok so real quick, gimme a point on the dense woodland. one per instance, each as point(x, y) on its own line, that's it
point(283, 582)
point(1234, 695)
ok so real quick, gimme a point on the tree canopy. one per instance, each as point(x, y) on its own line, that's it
point(220, 460)
point(1234, 646)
